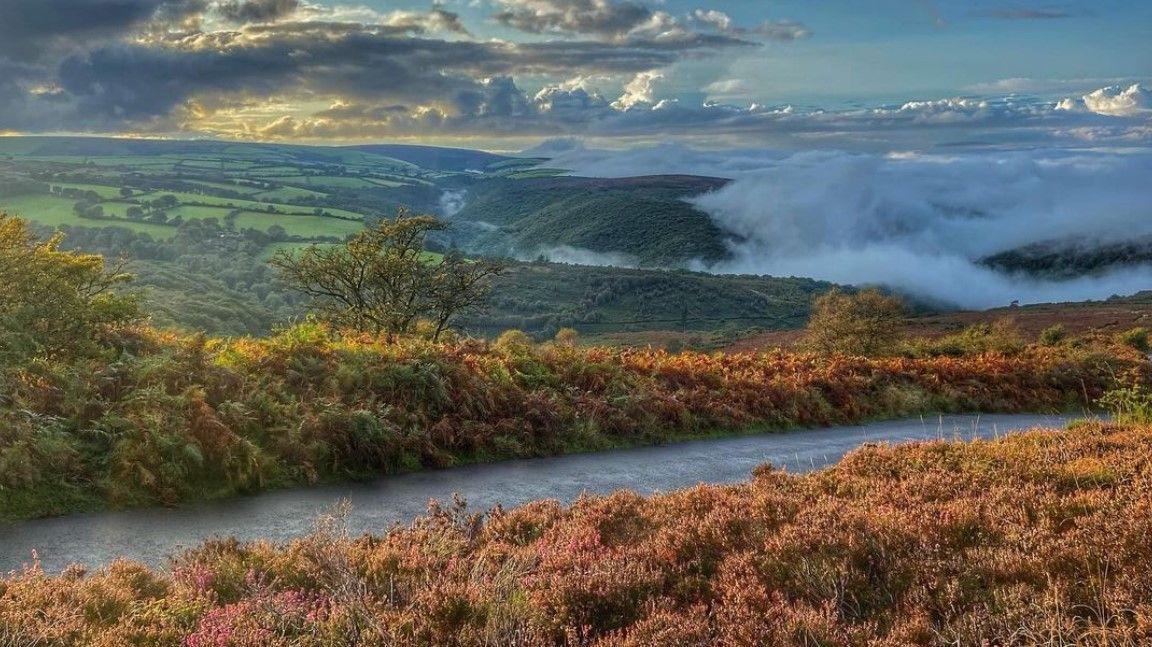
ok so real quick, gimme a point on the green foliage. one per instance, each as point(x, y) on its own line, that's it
point(55, 302)
point(1068, 259)
point(644, 218)
point(1136, 338)
point(381, 281)
point(1000, 336)
point(867, 323)
point(1129, 404)
point(1053, 335)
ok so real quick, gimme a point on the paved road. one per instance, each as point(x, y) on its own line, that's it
point(149, 535)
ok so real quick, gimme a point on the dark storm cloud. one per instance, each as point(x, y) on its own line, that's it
point(128, 83)
point(31, 29)
point(595, 17)
point(244, 11)
point(150, 65)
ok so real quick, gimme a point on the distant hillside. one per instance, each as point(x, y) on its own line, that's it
point(436, 157)
point(543, 297)
point(644, 218)
point(1070, 259)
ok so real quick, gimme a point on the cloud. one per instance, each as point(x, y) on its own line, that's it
point(245, 11)
point(34, 30)
point(601, 18)
point(133, 83)
point(640, 91)
point(1114, 101)
point(623, 20)
point(920, 223)
point(780, 30)
point(783, 30)
point(172, 67)
point(917, 222)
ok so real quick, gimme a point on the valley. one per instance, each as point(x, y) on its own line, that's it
point(575, 323)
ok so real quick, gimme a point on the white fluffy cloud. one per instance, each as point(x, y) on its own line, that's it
point(1114, 101)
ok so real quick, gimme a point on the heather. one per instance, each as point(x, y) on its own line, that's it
point(161, 417)
point(1038, 538)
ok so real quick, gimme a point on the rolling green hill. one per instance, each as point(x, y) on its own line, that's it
point(1069, 259)
point(199, 219)
point(645, 218)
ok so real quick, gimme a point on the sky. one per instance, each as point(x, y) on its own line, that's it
point(516, 74)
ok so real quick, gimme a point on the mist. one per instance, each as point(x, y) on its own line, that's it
point(579, 256)
point(916, 222)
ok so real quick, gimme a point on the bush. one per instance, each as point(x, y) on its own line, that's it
point(1129, 404)
point(1000, 336)
point(1053, 335)
point(1136, 338)
point(868, 323)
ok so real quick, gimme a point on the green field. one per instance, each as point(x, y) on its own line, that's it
point(103, 190)
point(286, 193)
point(53, 211)
point(335, 181)
point(306, 226)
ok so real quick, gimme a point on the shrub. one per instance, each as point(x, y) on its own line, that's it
point(1136, 338)
point(1000, 336)
point(1053, 335)
point(867, 323)
point(1129, 404)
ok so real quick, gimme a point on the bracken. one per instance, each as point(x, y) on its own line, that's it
point(1039, 538)
point(167, 418)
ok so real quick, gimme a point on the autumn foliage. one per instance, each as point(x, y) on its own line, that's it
point(1036, 538)
point(169, 418)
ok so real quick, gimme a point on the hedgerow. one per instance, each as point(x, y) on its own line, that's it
point(164, 418)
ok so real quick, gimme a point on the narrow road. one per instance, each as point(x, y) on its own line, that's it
point(149, 535)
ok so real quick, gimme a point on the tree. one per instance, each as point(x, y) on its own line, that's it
point(125, 192)
point(866, 323)
point(382, 281)
point(135, 213)
point(55, 302)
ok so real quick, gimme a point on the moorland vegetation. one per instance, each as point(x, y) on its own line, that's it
point(1037, 538)
point(113, 411)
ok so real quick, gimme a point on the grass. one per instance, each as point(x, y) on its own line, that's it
point(103, 190)
point(53, 211)
point(335, 181)
point(306, 226)
point(287, 193)
point(191, 212)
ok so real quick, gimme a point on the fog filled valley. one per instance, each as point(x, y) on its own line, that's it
point(575, 323)
point(925, 224)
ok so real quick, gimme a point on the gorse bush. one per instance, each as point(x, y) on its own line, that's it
point(166, 418)
point(1039, 538)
